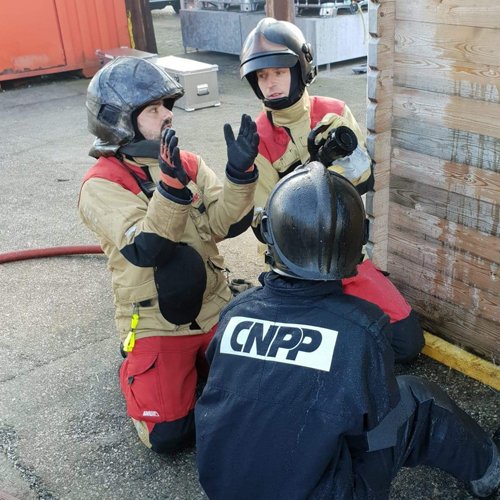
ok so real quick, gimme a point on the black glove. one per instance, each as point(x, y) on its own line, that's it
point(173, 173)
point(242, 151)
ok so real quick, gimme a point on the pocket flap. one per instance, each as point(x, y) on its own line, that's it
point(136, 292)
point(140, 363)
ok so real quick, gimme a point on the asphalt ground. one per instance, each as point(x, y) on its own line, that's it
point(64, 433)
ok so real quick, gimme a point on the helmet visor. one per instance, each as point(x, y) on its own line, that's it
point(260, 53)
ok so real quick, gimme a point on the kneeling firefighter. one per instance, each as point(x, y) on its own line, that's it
point(158, 213)
point(301, 399)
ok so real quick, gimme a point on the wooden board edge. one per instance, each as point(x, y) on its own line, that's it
point(462, 361)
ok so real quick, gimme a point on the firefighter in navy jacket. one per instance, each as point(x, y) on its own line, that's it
point(301, 399)
point(278, 64)
point(158, 213)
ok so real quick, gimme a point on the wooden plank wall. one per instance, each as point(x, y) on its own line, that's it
point(434, 132)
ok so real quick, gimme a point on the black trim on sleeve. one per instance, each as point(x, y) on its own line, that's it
point(181, 196)
point(238, 177)
point(241, 226)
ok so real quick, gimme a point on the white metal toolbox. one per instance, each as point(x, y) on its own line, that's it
point(198, 79)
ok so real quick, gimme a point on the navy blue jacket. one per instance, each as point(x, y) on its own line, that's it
point(299, 373)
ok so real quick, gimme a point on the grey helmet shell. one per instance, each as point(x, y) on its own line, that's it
point(116, 91)
point(276, 44)
point(314, 225)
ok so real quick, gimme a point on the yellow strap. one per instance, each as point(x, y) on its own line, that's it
point(129, 343)
point(134, 321)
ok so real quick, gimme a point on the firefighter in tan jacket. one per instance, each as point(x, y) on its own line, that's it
point(158, 213)
point(277, 62)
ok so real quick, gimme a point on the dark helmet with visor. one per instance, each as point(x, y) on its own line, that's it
point(314, 225)
point(277, 44)
point(117, 92)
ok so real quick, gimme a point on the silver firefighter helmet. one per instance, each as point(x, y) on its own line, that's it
point(116, 92)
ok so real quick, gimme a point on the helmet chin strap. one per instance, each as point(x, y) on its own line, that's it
point(277, 104)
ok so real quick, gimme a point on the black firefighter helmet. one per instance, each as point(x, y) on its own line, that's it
point(278, 44)
point(314, 225)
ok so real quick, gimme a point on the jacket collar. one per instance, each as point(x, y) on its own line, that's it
point(141, 149)
point(292, 115)
point(306, 288)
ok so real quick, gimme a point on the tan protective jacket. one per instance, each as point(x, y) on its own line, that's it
point(283, 141)
point(113, 206)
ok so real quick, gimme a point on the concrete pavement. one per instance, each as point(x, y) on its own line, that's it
point(64, 433)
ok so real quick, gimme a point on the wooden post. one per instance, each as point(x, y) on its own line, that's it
point(140, 22)
point(282, 10)
point(379, 121)
point(441, 158)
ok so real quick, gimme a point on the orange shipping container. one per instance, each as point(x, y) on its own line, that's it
point(51, 36)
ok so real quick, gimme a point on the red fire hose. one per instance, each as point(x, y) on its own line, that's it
point(37, 253)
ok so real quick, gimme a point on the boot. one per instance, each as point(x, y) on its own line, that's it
point(487, 486)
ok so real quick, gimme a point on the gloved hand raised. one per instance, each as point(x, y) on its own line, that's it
point(172, 170)
point(242, 151)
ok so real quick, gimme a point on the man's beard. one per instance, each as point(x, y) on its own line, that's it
point(155, 135)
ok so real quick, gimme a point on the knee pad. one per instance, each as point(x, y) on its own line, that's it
point(168, 437)
point(181, 281)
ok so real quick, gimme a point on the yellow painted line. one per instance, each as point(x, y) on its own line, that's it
point(462, 361)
